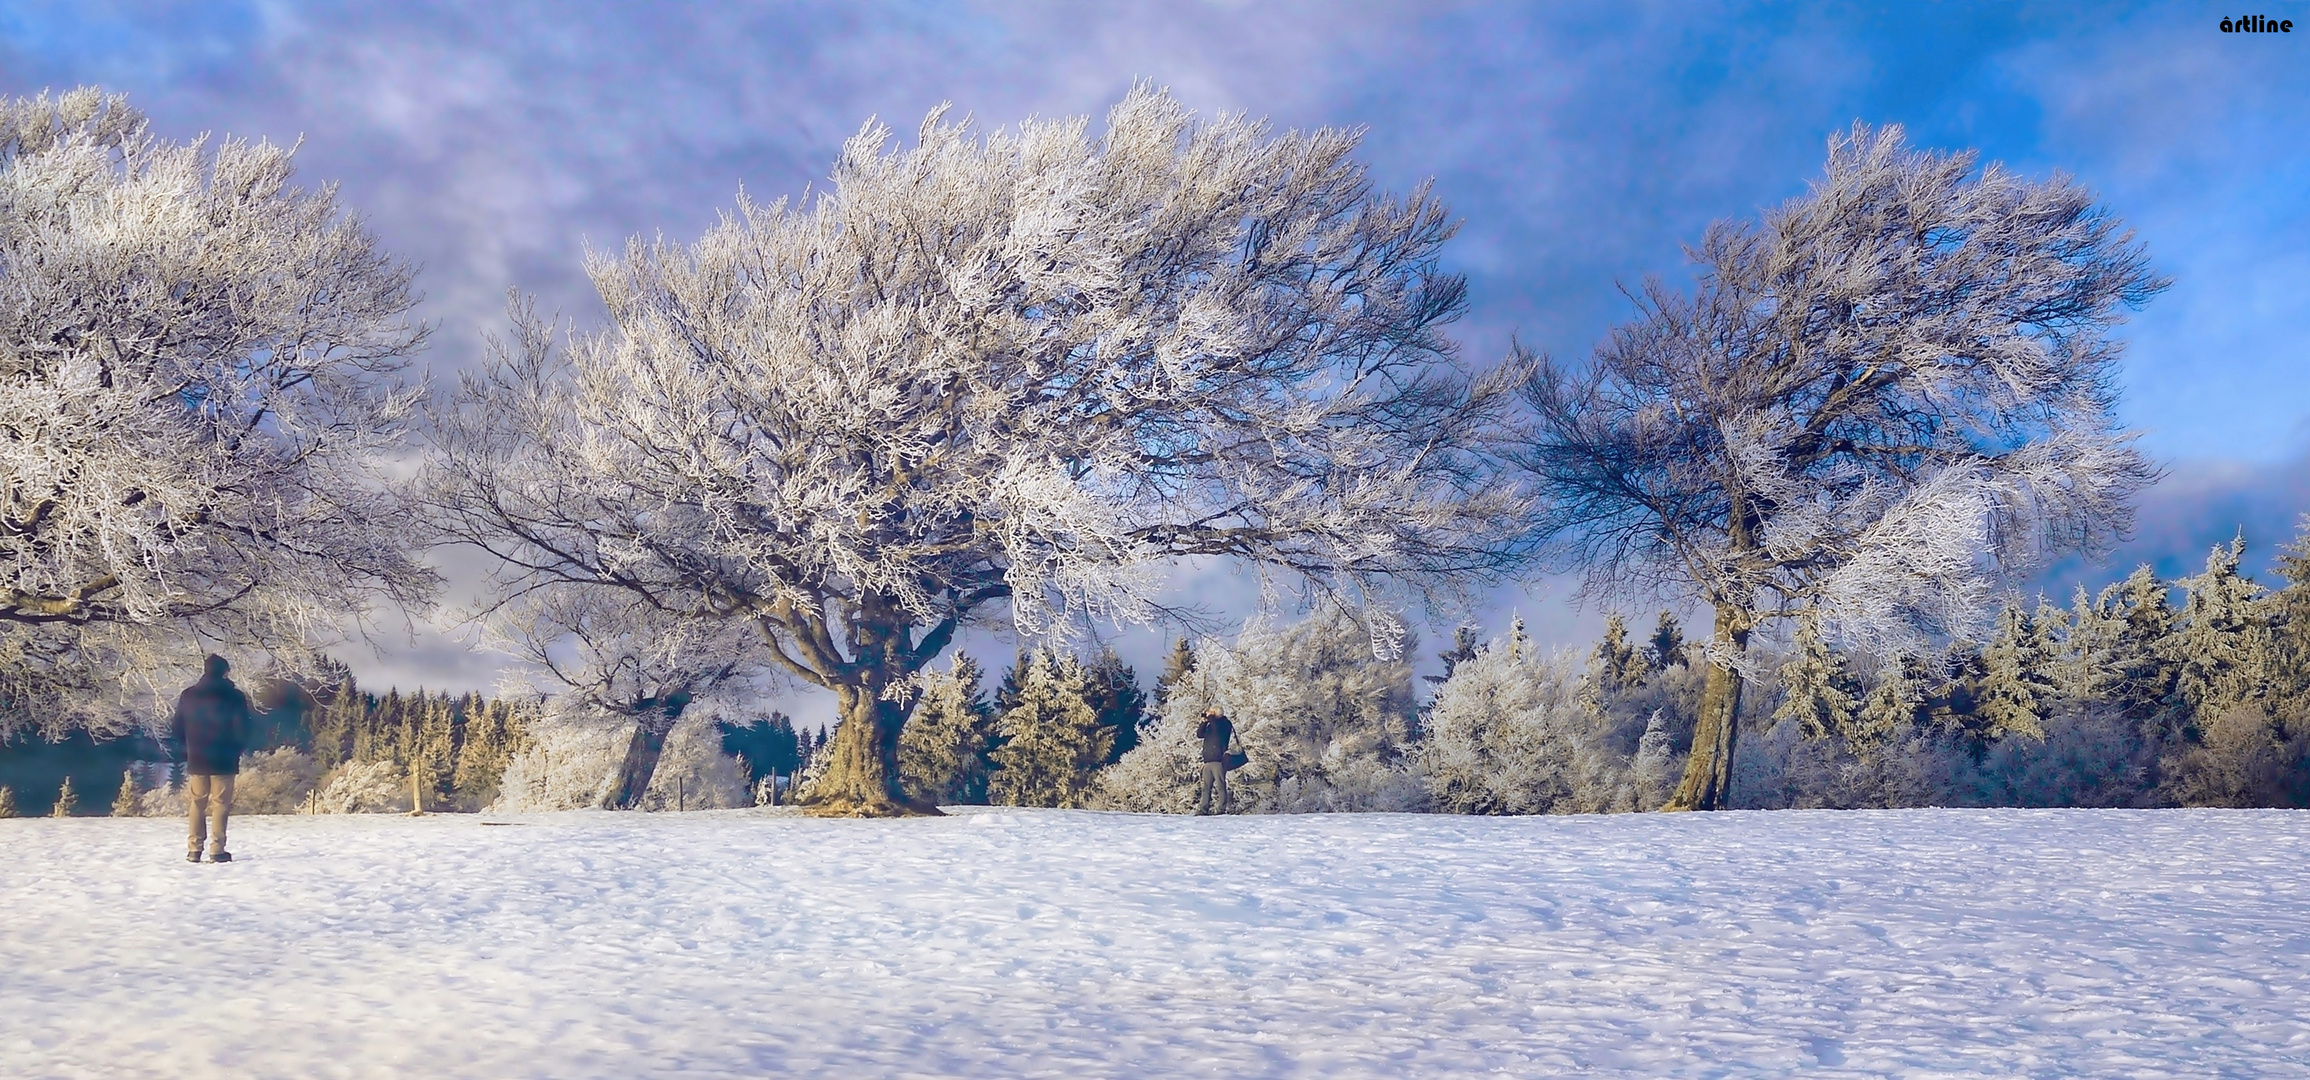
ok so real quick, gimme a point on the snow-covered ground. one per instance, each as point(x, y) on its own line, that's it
point(1076, 944)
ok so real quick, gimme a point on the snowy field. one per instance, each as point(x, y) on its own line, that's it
point(1074, 944)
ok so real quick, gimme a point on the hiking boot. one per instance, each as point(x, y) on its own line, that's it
point(192, 856)
point(220, 856)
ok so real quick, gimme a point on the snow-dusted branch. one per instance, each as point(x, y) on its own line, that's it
point(1878, 406)
point(1013, 372)
point(198, 369)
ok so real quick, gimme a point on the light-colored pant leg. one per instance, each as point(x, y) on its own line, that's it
point(1212, 797)
point(196, 805)
point(208, 803)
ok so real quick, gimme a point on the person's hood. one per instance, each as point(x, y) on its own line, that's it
point(213, 669)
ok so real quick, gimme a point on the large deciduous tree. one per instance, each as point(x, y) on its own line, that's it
point(199, 364)
point(1010, 374)
point(1877, 404)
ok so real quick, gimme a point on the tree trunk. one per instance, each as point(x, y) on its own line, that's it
point(653, 720)
point(861, 777)
point(1707, 783)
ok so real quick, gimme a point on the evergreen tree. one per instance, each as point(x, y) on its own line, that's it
point(1618, 665)
point(2142, 672)
point(493, 735)
point(1667, 643)
point(769, 747)
point(2288, 611)
point(433, 748)
point(1465, 647)
point(1111, 688)
point(66, 801)
point(2220, 647)
point(1176, 664)
point(124, 803)
point(1817, 690)
point(1052, 740)
point(1893, 708)
point(2015, 691)
point(2086, 668)
point(942, 752)
point(343, 711)
point(1015, 679)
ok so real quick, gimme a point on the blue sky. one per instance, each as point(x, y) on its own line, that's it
point(1581, 144)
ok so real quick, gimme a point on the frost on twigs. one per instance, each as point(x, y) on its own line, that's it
point(1324, 724)
point(1881, 403)
point(199, 365)
point(995, 377)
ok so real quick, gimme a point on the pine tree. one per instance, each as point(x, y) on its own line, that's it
point(7, 802)
point(124, 803)
point(1015, 679)
point(1176, 664)
point(942, 752)
point(1052, 740)
point(66, 801)
point(1893, 708)
point(769, 747)
point(1111, 688)
point(1465, 647)
point(2220, 647)
point(1817, 690)
point(343, 710)
point(433, 748)
point(2288, 611)
point(1618, 665)
point(2142, 671)
point(1667, 643)
point(2087, 669)
point(492, 736)
point(2015, 692)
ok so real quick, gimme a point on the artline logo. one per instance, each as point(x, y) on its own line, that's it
point(2256, 24)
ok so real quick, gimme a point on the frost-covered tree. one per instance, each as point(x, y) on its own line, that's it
point(493, 733)
point(1897, 705)
point(1011, 375)
point(2016, 690)
point(1511, 732)
point(1618, 665)
point(1665, 648)
point(2131, 625)
point(1176, 664)
point(1324, 723)
point(1818, 693)
point(628, 659)
point(2221, 644)
point(1881, 402)
point(942, 753)
point(2289, 613)
point(201, 367)
point(124, 804)
point(1052, 740)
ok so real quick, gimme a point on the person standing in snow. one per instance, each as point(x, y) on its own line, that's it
point(1215, 731)
point(211, 728)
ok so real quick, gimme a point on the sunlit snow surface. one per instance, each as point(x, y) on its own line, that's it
point(1071, 944)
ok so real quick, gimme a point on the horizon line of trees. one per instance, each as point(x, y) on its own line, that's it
point(2126, 696)
point(1010, 378)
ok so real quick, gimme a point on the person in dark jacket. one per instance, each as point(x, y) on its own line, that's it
point(212, 727)
point(1215, 731)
